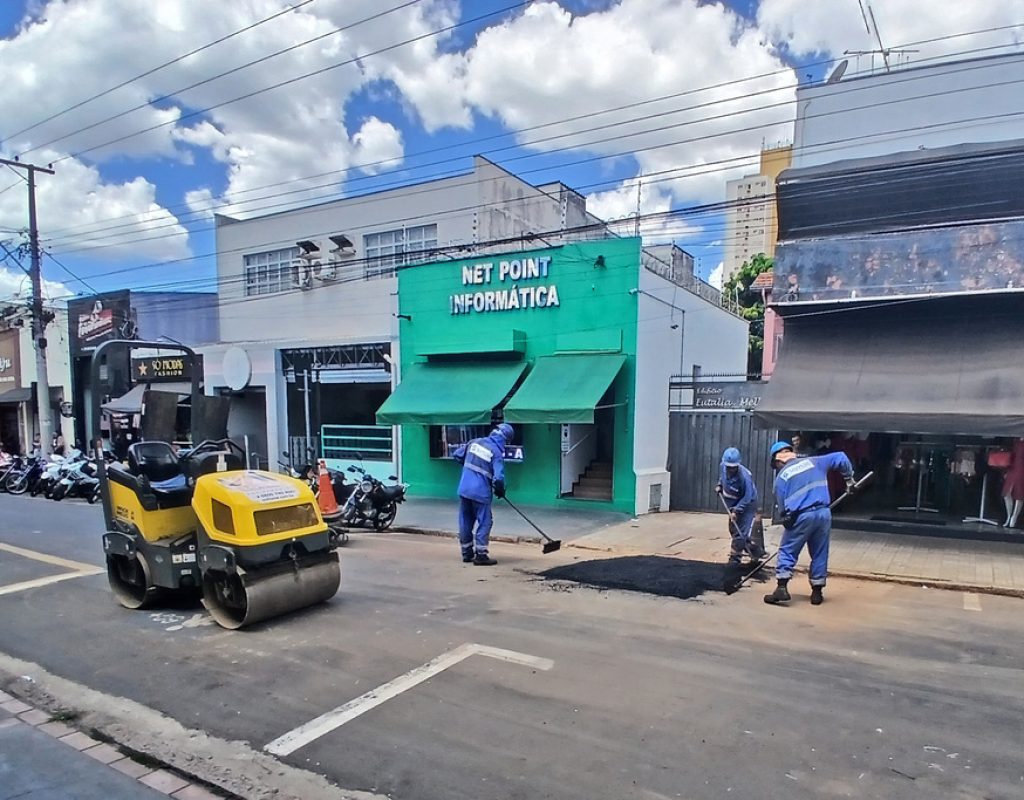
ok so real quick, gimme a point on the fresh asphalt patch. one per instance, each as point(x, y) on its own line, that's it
point(657, 575)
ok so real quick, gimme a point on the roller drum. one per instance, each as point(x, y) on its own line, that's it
point(236, 601)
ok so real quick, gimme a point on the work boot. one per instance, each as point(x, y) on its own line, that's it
point(756, 551)
point(816, 596)
point(780, 595)
point(483, 560)
point(467, 556)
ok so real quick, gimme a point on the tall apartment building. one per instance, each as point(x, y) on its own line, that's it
point(751, 220)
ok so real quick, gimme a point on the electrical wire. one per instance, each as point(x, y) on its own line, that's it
point(384, 162)
point(147, 73)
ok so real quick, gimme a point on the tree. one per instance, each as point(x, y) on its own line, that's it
point(751, 305)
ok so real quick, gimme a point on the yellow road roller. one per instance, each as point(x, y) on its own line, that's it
point(252, 543)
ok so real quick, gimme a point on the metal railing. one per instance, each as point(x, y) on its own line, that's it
point(349, 442)
point(688, 281)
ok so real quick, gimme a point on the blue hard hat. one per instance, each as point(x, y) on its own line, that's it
point(778, 447)
point(731, 457)
point(506, 430)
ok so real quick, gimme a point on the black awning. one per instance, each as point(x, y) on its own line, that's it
point(938, 365)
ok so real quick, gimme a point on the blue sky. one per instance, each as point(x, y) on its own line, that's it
point(112, 213)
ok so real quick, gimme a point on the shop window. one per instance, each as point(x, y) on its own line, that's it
point(270, 272)
point(387, 250)
point(446, 439)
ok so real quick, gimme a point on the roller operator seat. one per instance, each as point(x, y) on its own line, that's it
point(156, 470)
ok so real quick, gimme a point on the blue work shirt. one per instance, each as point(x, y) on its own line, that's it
point(803, 482)
point(483, 465)
point(738, 489)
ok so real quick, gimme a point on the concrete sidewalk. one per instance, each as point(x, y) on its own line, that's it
point(441, 517)
point(44, 760)
point(989, 567)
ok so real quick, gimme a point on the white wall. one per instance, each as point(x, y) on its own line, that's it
point(58, 373)
point(872, 116)
point(706, 335)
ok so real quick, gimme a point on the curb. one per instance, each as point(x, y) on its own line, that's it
point(154, 775)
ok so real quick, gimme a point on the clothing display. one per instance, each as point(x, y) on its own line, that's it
point(1013, 483)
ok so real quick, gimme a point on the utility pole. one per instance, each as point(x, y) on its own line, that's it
point(39, 319)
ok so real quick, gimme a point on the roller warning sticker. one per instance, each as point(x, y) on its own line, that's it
point(260, 488)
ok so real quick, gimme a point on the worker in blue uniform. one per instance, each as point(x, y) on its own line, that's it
point(483, 476)
point(801, 492)
point(737, 487)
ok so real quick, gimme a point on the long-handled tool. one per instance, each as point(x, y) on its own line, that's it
point(733, 585)
point(550, 545)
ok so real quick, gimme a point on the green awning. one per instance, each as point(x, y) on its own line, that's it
point(564, 388)
point(460, 393)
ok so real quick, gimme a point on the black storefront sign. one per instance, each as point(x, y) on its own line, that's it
point(94, 320)
point(743, 395)
point(157, 369)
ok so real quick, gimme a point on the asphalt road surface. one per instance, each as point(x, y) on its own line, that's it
point(500, 685)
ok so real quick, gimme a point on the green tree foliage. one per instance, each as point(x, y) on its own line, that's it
point(751, 305)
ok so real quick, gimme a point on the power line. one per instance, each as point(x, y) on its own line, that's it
point(290, 81)
point(149, 72)
point(384, 162)
point(68, 270)
point(429, 189)
point(150, 103)
point(95, 243)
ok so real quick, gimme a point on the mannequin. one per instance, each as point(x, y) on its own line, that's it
point(1013, 485)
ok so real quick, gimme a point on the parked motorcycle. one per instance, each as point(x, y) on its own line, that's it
point(26, 477)
point(81, 480)
point(55, 471)
point(370, 502)
point(11, 465)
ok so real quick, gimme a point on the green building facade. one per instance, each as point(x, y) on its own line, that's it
point(544, 339)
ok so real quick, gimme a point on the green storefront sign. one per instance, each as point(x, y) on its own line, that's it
point(543, 339)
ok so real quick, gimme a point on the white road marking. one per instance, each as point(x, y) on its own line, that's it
point(46, 558)
point(971, 602)
point(332, 720)
point(78, 569)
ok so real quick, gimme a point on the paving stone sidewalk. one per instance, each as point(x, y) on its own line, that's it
point(45, 760)
point(970, 565)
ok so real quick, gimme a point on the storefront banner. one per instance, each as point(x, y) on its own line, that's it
point(94, 320)
point(965, 258)
point(10, 360)
point(506, 295)
point(156, 369)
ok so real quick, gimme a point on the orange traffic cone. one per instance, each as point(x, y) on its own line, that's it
point(326, 499)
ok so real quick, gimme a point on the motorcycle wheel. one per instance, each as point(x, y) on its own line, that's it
point(385, 518)
point(94, 495)
point(35, 490)
point(58, 493)
point(17, 484)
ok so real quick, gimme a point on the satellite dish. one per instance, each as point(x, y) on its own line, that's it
point(237, 369)
point(839, 71)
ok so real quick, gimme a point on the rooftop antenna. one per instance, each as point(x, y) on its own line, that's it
point(878, 37)
point(639, 188)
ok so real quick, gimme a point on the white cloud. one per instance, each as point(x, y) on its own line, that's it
point(716, 276)
point(618, 206)
point(15, 286)
point(118, 219)
point(546, 65)
point(378, 146)
point(834, 26)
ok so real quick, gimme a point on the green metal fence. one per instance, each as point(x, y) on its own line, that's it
point(350, 442)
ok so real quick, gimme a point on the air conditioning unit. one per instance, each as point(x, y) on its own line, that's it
point(307, 264)
point(342, 251)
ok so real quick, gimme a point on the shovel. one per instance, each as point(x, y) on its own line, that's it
point(733, 585)
point(550, 545)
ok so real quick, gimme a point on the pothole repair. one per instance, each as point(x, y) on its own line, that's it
point(657, 575)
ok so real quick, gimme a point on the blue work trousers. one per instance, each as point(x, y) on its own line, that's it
point(475, 513)
point(740, 531)
point(812, 528)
